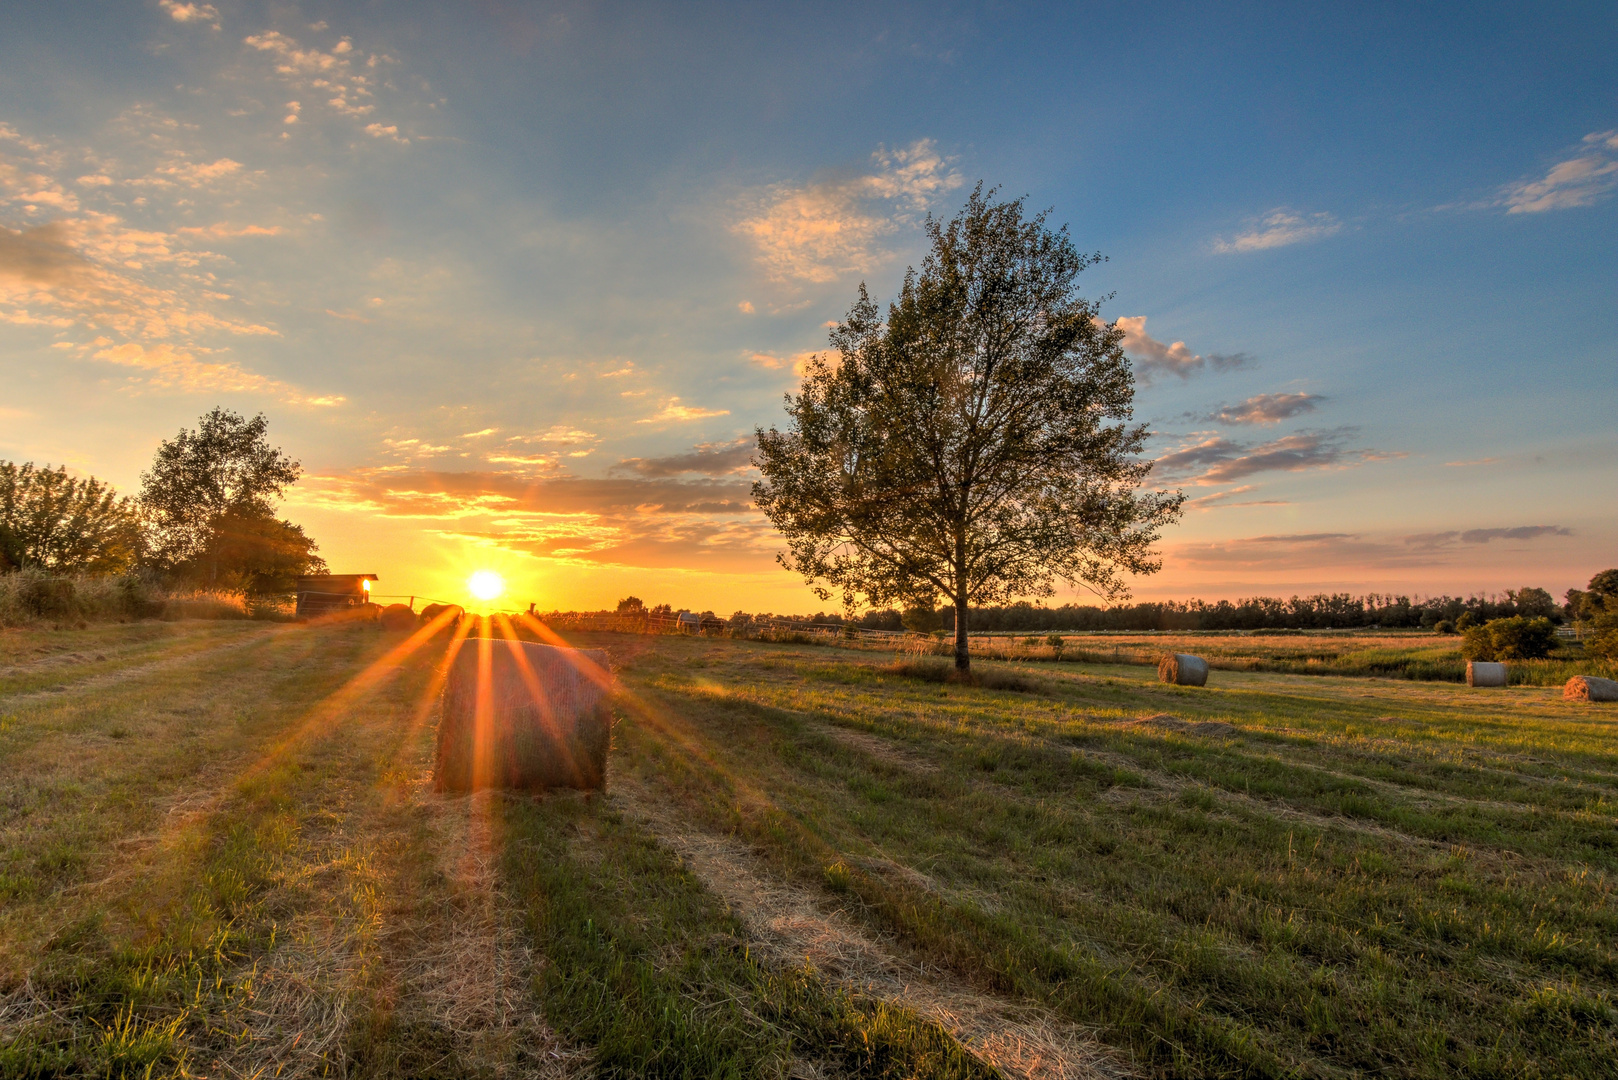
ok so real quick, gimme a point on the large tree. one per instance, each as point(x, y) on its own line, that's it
point(65, 524)
point(973, 445)
point(210, 499)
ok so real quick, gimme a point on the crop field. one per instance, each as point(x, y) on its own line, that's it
point(221, 855)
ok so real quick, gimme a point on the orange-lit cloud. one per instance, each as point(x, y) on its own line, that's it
point(673, 411)
point(1267, 409)
point(822, 231)
point(1223, 460)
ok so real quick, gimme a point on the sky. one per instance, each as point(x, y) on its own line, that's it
point(516, 282)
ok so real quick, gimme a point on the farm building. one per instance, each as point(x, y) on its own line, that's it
point(322, 593)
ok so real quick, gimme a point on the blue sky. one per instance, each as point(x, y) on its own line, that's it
point(514, 280)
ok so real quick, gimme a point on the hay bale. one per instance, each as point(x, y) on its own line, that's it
point(1590, 688)
point(398, 617)
point(433, 611)
point(540, 719)
point(1182, 669)
point(1484, 673)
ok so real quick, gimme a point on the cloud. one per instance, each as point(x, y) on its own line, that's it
point(798, 363)
point(336, 77)
point(818, 233)
point(673, 410)
point(622, 521)
point(1484, 536)
point(81, 267)
point(186, 13)
point(1267, 409)
point(165, 367)
point(1280, 228)
point(1578, 181)
point(1152, 357)
point(1225, 461)
point(708, 459)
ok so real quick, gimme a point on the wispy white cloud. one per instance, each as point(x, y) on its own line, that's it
point(1580, 180)
point(818, 233)
point(1279, 228)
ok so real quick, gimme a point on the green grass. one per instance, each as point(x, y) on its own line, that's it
point(1366, 877)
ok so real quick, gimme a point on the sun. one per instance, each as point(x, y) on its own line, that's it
point(486, 585)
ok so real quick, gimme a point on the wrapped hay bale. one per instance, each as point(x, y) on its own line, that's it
point(1590, 688)
point(1182, 669)
point(1484, 673)
point(433, 611)
point(524, 715)
point(398, 617)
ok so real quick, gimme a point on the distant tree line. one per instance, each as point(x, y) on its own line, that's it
point(205, 515)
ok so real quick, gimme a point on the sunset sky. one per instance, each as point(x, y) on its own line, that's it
point(516, 282)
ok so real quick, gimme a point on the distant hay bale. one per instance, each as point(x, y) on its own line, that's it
point(1182, 669)
point(1484, 673)
point(433, 611)
point(1590, 688)
point(398, 617)
point(544, 719)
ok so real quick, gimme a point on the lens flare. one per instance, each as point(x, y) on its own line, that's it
point(486, 585)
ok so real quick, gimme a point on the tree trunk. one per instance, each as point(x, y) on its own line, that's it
point(963, 658)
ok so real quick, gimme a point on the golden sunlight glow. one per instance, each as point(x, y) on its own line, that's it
point(486, 585)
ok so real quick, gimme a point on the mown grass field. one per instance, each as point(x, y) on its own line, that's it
point(1388, 654)
point(220, 855)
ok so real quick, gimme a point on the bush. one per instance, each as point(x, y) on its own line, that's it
point(1605, 642)
point(1516, 638)
point(1444, 626)
point(1466, 622)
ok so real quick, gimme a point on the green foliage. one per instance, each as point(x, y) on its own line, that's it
point(1533, 603)
point(976, 443)
point(257, 554)
point(1604, 643)
point(631, 605)
point(64, 524)
point(224, 469)
point(921, 620)
point(1465, 622)
point(1444, 626)
point(1516, 638)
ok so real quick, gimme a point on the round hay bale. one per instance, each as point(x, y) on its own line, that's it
point(1484, 673)
point(1182, 669)
point(1590, 688)
point(398, 617)
point(524, 715)
point(433, 611)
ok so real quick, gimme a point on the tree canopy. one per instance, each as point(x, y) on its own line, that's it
point(209, 499)
point(975, 444)
point(63, 523)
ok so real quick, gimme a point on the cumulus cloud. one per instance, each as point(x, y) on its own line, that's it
point(1279, 228)
point(707, 459)
point(672, 410)
point(1580, 180)
point(818, 233)
point(1267, 409)
point(1152, 357)
point(191, 13)
point(1223, 461)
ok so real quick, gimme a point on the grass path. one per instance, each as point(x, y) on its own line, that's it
point(799, 926)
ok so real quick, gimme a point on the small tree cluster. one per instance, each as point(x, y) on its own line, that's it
point(1516, 638)
point(65, 524)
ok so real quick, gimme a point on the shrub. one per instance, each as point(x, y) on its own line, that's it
point(1466, 622)
point(1605, 642)
point(1444, 626)
point(1516, 638)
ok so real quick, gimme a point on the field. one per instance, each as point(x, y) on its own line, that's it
point(1395, 654)
point(220, 855)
